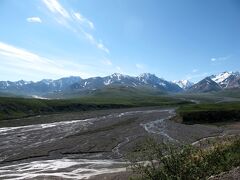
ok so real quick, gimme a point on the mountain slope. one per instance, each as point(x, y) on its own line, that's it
point(37, 88)
point(76, 85)
point(184, 84)
point(227, 79)
point(205, 85)
point(146, 79)
point(116, 91)
point(219, 82)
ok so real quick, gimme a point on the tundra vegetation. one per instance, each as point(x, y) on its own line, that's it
point(210, 113)
point(12, 108)
point(153, 161)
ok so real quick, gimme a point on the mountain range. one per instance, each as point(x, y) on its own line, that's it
point(77, 85)
point(222, 81)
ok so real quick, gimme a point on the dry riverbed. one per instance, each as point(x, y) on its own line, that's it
point(86, 145)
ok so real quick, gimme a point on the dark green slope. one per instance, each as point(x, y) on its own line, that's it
point(108, 92)
point(106, 98)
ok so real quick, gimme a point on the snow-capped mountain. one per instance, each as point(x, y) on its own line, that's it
point(184, 84)
point(145, 79)
point(155, 82)
point(219, 78)
point(227, 80)
point(69, 84)
point(37, 88)
point(205, 85)
point(224, 80)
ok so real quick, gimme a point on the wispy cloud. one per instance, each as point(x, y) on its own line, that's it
point(83, 20)
point(16, 58)
point(102, 47)
point(223, 58)
point(55, 7)
point(93, 41)
point(34, 20)
point(74, 21)
point(213, 59)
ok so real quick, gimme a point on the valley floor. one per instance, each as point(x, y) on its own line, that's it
point(90, 144)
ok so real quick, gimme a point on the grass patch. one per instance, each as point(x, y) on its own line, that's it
point(233, 93)
point(11, 108)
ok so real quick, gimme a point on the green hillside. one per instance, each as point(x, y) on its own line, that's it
point(22, 107)
point(210, 112)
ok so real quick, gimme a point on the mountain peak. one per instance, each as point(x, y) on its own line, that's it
point(146, 75)
point(46, 81)
point(227, 79)
point(185, 84)
point(205, 85)
point(22, 82)
point(219, 78)
point(118, 76)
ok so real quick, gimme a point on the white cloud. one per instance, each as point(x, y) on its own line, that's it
point(11, 51)
point(102, 47)
point(26, 61)
point(89, 37)
point(55, 7)
point(223, 58)
point(75, 22)
point(93, 41)
point(34, 20)
point(83, 20)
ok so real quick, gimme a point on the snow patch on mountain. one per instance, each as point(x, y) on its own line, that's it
point(38, 97)
point(221, 77)
point(183, 83)
point(227, 79)
point(107, 82)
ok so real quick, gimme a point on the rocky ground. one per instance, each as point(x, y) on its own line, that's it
point(231, 175)
point(86, 145)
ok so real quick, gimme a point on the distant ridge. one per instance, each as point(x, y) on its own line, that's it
point(73, 84)
point(77, 85)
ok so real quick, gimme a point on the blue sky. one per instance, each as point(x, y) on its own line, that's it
point(173, 39)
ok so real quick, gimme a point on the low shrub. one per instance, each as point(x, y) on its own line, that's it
point(153, 161)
